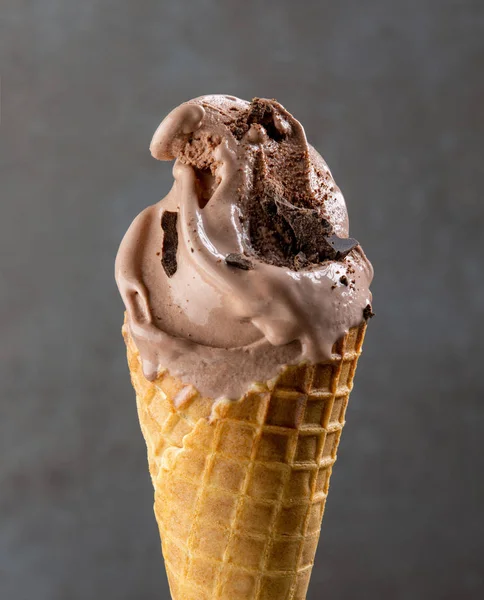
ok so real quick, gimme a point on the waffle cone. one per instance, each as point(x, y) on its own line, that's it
point(240, 487)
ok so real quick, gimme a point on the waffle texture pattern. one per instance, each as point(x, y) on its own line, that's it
point(241, 486)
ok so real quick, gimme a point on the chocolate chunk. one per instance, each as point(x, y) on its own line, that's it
point(344, 280)
point(238, 261)
point(341, 246)
point(170, 242)
point(367, 312)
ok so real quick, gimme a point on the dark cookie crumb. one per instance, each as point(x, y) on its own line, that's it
point(367, 312)
point(238, 261)
point(344, 280)
point(170, 242)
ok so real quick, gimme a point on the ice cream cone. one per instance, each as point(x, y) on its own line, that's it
point(240, 486)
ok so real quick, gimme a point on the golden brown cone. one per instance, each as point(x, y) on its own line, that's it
point(240, 487)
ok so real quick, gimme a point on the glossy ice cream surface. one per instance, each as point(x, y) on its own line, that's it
point(246, 265)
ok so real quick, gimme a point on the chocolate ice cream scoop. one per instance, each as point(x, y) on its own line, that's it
point(246, 265)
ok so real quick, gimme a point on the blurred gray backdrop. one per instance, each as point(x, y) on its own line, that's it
point(392, 94)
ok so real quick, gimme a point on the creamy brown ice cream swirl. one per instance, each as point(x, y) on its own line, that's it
point(246, 265)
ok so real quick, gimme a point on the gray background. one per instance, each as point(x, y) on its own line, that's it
point(392, 94)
